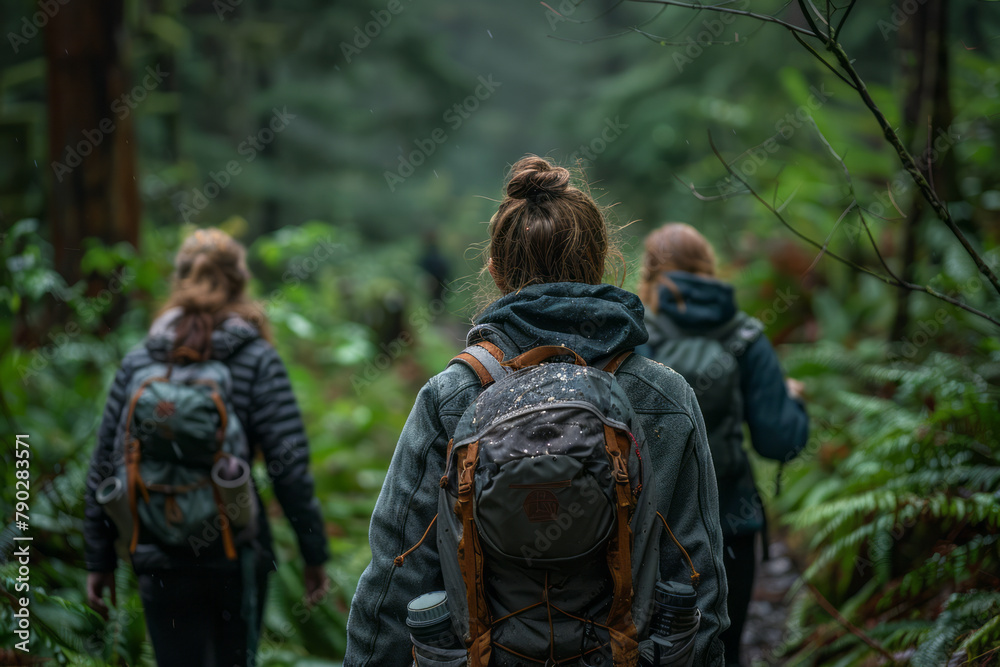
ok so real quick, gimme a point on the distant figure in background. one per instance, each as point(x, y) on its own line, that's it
point(696, 329)
point(206, 391)
point(436, 266)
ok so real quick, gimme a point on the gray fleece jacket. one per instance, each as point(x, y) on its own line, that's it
point(595, 321)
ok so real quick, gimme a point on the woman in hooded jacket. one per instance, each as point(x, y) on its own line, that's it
point(197, 598)
point(695, 327)
point(548, 252)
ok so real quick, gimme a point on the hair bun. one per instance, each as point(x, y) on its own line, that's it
point(534, 178)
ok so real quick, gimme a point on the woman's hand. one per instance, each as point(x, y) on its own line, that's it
point(796, 388)
point(96, 583)
point(317, 584)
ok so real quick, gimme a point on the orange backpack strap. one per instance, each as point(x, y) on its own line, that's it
point(485, 359)
point(133, 456)
point(624, 637)
point(616, 361)
point(537, 355)
point(470, 560)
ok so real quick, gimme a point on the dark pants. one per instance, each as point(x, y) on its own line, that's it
point(738, 556)
point(196, 617)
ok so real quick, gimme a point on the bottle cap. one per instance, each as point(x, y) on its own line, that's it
point(426, 610)
point(675, 594)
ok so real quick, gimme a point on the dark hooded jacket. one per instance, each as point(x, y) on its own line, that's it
point(778, 423)
point(596, 321)
point(263, 400)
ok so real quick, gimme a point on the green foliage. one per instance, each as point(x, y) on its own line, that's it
point(904, 535)
point(318, 288)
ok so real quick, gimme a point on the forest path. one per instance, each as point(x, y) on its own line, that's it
point(765, 627)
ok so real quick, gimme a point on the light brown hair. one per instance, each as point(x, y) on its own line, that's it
point(209, 283)
point(675, 246)
point(547, 230)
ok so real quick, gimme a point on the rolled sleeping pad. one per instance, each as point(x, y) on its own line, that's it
point(112, 497)
point(231, 475)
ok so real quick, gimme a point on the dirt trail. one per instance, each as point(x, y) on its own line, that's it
point(765, 627)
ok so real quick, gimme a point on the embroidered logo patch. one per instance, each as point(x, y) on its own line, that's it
point(165, 409)
point(541, 505)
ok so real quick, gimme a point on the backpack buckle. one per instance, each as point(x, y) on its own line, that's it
point(465, 479)
point(621, 471)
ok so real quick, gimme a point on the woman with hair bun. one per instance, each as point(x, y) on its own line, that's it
point(548, 253)
point(203, 592)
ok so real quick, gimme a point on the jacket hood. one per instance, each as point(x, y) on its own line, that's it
point(708, 302)
point(593, 320)
point(228, 337)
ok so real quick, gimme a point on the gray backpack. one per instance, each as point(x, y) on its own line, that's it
point(708, 360)
point(548, 533)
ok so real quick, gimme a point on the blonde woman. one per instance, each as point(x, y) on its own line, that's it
point(203, 598)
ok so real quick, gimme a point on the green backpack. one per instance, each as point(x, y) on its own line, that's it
point(708, 360)
point(183, 462)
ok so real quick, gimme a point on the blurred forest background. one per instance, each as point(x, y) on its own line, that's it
point(341, 142)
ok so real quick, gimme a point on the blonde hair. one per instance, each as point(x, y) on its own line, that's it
point(209, 283)
point(675, 246)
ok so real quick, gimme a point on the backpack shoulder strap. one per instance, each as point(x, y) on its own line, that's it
point(613, 363)
point(741, 332)
point(485, 359)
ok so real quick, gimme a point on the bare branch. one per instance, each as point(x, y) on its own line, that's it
point(887, 279)
point(819, 34)
point(878, 253)
point(940, 208)
point(610, 9)
point(701, 197)
point(888, 188)
point(829, 237)
point(767, 18)
point(817, 56)
point(850, 627)
point(843, 19)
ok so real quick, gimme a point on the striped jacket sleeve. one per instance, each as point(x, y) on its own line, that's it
point(98, 530)
point(275, 425)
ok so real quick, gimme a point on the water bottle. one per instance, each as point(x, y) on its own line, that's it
point(429, 622)
point(676, 620)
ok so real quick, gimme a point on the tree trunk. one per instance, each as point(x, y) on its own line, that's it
point(927, 113)
point(91, 142)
